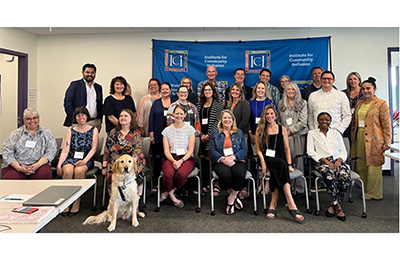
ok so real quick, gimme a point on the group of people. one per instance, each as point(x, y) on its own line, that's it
point(276, 123)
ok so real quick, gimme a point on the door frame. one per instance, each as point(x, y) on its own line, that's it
point(22, 83)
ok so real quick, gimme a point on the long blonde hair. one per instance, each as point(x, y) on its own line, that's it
point(234, 128)
point(267, 93)
point(261, 131)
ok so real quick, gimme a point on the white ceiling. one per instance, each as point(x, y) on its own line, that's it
point(48, 31)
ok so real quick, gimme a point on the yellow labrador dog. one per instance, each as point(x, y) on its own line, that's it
point(124, 198)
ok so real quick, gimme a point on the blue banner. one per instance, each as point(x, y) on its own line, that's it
point(173, 60)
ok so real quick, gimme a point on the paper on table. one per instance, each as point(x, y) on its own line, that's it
point(15, 198)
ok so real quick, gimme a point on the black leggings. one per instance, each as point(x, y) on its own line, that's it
point(231, 177)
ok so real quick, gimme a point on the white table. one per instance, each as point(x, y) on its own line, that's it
point(33, 187)
point(393, 155)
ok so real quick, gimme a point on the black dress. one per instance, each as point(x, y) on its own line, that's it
point(277, 165)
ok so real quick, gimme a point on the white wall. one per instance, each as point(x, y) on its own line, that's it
point(15, 40)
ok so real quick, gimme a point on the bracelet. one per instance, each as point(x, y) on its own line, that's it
point(183, 160)
point(289, 164)
point(103, 167)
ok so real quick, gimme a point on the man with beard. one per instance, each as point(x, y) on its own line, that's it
point(85, 92)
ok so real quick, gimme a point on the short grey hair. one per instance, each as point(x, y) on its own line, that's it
point(30, 111)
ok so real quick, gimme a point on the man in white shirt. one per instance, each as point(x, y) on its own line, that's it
point(331, 100)
point(85, 92)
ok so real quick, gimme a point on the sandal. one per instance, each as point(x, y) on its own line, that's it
point(328, 213)
point(294, 213)
point(216, 191)
point(273, 212)
point(238, 204)
point(231, 209)
point(342, 218)
point(243, 194)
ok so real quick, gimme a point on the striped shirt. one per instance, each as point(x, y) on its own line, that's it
point(26, 149)
point(178, 138)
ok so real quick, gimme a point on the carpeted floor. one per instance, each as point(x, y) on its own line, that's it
point(382, 216)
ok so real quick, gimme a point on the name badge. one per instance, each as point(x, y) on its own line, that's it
point(30, 144)
point(190, 112)
point(270, 153)
point(361, 123)
point(257, 120)
point(78, 155)
point(289, 121)
point(165, 112)
point(180, 152)
point(204, 121)
point(228, 151)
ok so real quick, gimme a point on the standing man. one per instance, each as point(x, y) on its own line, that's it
point(328, 99)
point(85, 92)
point(316, 77)
point(265, 76)
point(239, 76)
point(220, 86)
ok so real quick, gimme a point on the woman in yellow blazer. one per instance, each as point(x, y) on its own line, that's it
point(371, 133)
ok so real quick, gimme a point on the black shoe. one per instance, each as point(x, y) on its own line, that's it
point(71, 214)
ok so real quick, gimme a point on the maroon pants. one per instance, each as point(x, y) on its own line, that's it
point(176, 178)
point(43, 172)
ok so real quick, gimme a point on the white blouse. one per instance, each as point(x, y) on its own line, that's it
point(321, 146)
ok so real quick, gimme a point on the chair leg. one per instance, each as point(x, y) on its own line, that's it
point(316, 196)
point(308, 210)
point(144, 190)
point(198, 209)
point(158, 193)
point(263, 180)
point(104, 191)
point(254, 196)
point(212, 196)
point(364, 214)
point(95, 193)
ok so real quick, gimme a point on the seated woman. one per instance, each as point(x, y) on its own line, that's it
point(125, 138)
point(327, 149)
point(80, 144)
point(274, 153)
point(228, 149)
point(28, 151)
point(178, 143)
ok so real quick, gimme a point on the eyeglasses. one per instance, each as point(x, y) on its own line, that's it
point(31, 118)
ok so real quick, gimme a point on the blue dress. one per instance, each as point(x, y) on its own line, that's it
point(80, 142)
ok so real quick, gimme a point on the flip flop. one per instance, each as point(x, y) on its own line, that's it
point(294, 213)
point(238, 203)
point(216, 191)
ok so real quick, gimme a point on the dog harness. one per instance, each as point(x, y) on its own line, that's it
point(123, 187)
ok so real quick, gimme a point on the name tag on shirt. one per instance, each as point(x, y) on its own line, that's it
point(180, 152)
point(289, 121)
point(361, 123)
point(270, 153)
point(204, 121)
point(165, 112)
point(78, 155)
point(30, 144)
point(190, 112)
point(257, 120)
point(228, 151)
